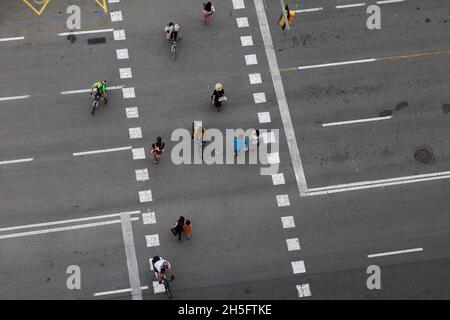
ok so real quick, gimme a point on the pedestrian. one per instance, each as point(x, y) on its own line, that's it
point(178, 227)
point(240, 142)
point(157, 149)
point(290, 17)
point(218, 96)
point(187, 229)
point(254, 139)
point(208, 10)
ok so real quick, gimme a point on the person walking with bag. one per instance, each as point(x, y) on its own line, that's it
point(218, 96)
point(178, 227)
point(157, 149)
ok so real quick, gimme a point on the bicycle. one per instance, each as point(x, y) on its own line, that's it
point(167, 286)
point(95, 103)
point(173, 50)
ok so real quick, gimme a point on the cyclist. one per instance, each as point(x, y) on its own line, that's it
point(100, 90)
point(172, 31)
point(160, 265)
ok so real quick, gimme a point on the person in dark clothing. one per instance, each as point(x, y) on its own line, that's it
point(178, 228)
point(157, 149)
point(218, 96)
point(208, 10)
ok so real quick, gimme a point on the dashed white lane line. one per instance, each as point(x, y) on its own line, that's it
point(135, 133)
point(84, 153)
point(329, 124)
point(132, 112)
point(238, 4)
point(113, 1)
point(250, 59)
point(138, 153)
point(344, 6)
point(16, 161)
point(293, 244)
point(119, 35)
point(141, 175)
point(268, 137)
point(283, 200)
point(11, 39)
point(278, 179)
point(149, 218)
point(298, 267)
point(303, 290)
point(152, 240)
point(281, 97)
point(390, 253)
point(89, 90)
point(125, 73)
point(389, 1)
point(242, 22)
point(308, 10)
point(122, 54)
point(378, 183)
point(255, 78)
point(130, 253)
point(145, 196)
point(105, 293)
point(246, 41)
point(84, 32)
point(14, 98)
point(288, 222)
point(273, 158)
point(52, 223)
point(158, 288)
point(60, 229)
point(128, 93)
point(334, 64)
point(264, 117)
point(116, 16)
point(259, 97)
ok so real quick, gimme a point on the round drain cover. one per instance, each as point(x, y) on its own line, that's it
point(424, 155)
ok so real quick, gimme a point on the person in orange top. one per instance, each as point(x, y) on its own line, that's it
point(290, 16)
point(188, 228)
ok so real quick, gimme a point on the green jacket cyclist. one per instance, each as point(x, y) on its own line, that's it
point(100, 89)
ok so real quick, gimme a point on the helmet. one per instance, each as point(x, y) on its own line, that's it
point(99, 84)
point(170, 24)
point(218, 86)
point(165, 264)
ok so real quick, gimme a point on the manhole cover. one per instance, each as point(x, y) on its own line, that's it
point(96, 40)
point(424, 155)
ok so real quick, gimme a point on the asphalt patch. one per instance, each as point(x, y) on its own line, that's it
point(72, 38)
point(446, 108)
point(424, 155)
point(401, 105)
point(96, 40)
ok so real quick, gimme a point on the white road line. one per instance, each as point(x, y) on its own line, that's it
point(283, 200)
point(84, 32)
point(119, 35)
point(141, 175)
point(130, 252)
point(116, 16)
point(149, 218)
point(288, 222)
point(125, 73)
point(303, 290)
point(393, 252)
point(75, 227)
point(104, 293)
point(89, 90)
point(122, 54)
point(238, 4)
point(132, 112)
point(135, 133)
point(12, 39)
point(246, 41)
point(378, 183)
point(52, 223)
point(242, 22)
point(101, 151)
point(293, 244)
point(250, 59)
point(389, 1)
point(329, 124)
point(145, 196)
point(259, 97)
point(281, 97)
point(308, 10)
point(152, 240)
point(350, 5)
point(336, 64)
point(298, 267)
point(264, 117)
point(138, 153)
point(255, 78)
point(277, 179)
point(16, 161)
point(14, 98)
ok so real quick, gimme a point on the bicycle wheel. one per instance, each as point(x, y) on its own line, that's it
point(94, 106)
point(167, 287)
point(173, 51)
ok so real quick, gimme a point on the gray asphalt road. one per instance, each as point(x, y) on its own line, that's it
point(238, 248)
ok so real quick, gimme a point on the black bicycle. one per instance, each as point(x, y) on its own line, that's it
point(167, 286)
point(95, 103)
point(173, 50)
